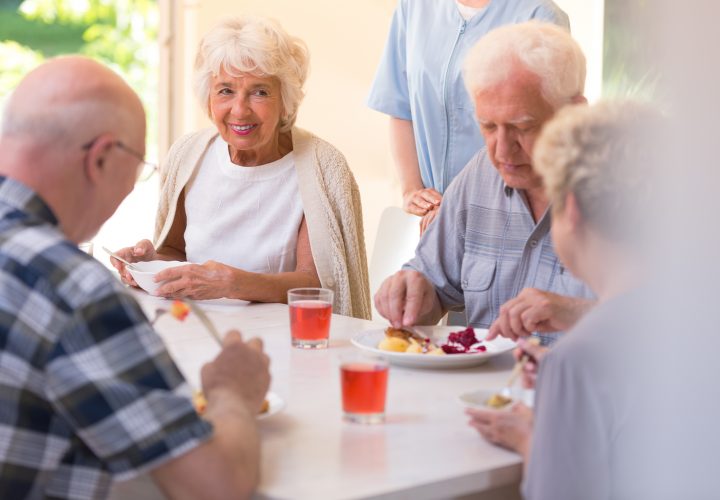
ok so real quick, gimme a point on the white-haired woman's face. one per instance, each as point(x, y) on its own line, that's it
point(246, 111)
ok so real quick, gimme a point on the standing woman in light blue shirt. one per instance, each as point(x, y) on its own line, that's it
point(433, 132)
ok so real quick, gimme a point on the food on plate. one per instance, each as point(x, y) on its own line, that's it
point(408, 341)
point(498, 401)
point(200, 403)
point(414, 347)
point(401, 333)
point(394, 344)
point(463, 342)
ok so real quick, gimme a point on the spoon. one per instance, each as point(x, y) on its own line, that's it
point(117, 257)
point(504, 394)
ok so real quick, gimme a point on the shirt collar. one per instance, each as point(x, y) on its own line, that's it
point(17, 195)
point(510, 191)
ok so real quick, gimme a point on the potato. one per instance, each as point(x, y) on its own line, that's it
point(414, 347)
point(393, 344)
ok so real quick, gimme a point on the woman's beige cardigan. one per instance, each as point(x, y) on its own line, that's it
point(330, 199)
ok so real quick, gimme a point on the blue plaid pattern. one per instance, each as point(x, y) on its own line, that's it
point(484, 248)
point(88, 392)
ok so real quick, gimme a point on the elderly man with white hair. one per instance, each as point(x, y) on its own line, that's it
point(256, 205)
point(489, 252)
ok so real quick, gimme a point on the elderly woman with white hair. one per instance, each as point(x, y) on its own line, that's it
point(611, 420)
point(258, 205)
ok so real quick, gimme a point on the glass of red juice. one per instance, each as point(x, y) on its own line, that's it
point(310, 312)
point(364, 386)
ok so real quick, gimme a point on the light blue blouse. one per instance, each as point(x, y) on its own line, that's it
point(420, 77)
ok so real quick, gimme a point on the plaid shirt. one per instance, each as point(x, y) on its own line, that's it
point(484, 247)
point(88, 392)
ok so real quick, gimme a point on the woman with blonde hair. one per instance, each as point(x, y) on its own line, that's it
point(257, 205)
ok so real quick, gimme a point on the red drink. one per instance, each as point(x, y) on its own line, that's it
point(310, 323)
point(364, 385)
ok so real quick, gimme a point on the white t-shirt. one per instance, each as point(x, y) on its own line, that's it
point(468, 12)
point(245, 217)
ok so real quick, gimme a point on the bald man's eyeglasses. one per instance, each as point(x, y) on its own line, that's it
point(148, 168)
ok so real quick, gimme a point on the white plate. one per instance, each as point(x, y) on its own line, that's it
point(276, 404)
point(369, 340)
point(476, 399)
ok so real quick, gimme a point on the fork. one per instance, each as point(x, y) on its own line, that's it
point(517, 369)
point(427, 343)
point(205, 320)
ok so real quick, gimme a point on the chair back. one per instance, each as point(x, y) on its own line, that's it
point(397, 236)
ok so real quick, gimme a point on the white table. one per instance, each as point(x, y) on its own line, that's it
point(425, 449)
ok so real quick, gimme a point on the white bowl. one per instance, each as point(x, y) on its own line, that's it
point(144, 273)
point(477, 399)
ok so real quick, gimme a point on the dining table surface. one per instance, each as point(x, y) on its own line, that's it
point(425, 449)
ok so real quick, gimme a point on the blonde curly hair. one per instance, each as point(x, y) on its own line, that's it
point(604, 155)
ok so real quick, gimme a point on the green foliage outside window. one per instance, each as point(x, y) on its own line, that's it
point(122, 34)
point(628, 71)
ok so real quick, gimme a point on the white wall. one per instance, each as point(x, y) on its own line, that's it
point(587, 25)
point(345, 41)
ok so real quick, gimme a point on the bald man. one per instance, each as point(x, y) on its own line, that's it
point(88, 392)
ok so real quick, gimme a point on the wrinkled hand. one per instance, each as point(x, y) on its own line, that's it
point(428, 218)
point(536, 310)
point(142, 251)
point(404, 297)
point(536, 354)
point(510, 429)
point(421, 201)
point(210, 280)
point(241, 369)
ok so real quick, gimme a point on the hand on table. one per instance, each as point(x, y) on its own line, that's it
point(536, 310)
point(405, 297)
point(240, 370)
point(421, 201)
point(511, 429)
point(143, 250)
point(211, 280)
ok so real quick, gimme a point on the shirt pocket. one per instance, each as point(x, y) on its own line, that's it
point(476, 278)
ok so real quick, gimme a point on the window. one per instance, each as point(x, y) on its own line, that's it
point(121, 34)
